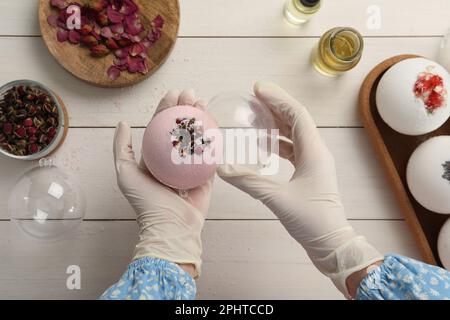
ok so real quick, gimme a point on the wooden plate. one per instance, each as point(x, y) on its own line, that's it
point(78, 61)
point(394, 150)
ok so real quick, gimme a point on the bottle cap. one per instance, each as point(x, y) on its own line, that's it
point(309, 3)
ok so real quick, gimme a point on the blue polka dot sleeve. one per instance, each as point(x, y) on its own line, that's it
point(152, 279)
point(402, 278)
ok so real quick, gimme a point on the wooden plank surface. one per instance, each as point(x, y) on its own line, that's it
point(264, 18)
point(87, 154)
point(264, 263)
point(223, 45)
point(210, 66)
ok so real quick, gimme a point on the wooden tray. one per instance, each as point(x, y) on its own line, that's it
point(394, 150)
point(78, 61)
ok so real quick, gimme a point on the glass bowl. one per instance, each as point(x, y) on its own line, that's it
point(47, 203)
point(62, 120)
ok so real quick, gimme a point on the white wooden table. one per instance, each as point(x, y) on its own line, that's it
point(222, 45)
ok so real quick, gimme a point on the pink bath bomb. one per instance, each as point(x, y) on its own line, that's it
point(182, 147)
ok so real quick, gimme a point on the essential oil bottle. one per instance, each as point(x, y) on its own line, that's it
point(339, 50)
point(300, 11)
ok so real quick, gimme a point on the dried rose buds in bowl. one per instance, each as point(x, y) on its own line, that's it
point(33, 122)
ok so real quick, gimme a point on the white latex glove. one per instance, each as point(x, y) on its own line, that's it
point(309, 205)
point(169, 225)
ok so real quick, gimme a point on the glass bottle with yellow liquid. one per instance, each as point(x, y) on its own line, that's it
point(339, 50)
point(300, 11)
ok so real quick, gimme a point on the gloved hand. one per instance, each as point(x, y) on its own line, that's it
point(309, 205)
point(169, 225)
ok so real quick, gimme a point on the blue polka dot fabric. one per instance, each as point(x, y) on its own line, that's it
point(402, 278)
point(152, 279)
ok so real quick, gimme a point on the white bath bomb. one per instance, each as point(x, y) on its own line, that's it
point(444, 245)
point(412, 96)
point(182, 147)
point(428, 174)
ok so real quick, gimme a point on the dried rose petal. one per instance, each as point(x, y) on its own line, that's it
point(106, 32)
point(113, 72)
point(62, 35)
point(117, 28)
point(113, 15)
point(74, 37)
point(122, 53)
point(158, 22)
point(52, 20)
point(136, 49)
point(61, 4)
point(128, 7)
point(133, 25)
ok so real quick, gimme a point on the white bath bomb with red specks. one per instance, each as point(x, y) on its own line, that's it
point(182, 147)
point(412, 96)
point(428, 174)
point(444, 245)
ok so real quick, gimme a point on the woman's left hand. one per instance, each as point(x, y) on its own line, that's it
point(169, 226)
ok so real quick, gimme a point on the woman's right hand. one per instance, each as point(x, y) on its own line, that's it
point(308, 205)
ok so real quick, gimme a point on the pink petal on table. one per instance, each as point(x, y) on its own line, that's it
point(62, 35)
point(122, 52)
point(61, 4)
point(117, 28)
point(158, 22)
point(74, 37)
point(113, 72)
point(121, 64)
point(143, 66)
point(52, 20)
point(143, 55)
point(134, 65)
point(133, 25)
point(135, 38)
point(136, 49)
point(146, 43)
point(106, 32)
point(113, 15)
point(128, 7)
point(154, 36)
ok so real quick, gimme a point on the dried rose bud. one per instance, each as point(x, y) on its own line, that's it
point(7, 128)
point(102, 19)
point(33, 148)
point(98, 5)
point(20, 131)
point(89, 40)
point(51, 122)
point(28, 122)
point(31, 131)
point(86, 29)
point(99, 50)
point(112, 44)
point(124, 42)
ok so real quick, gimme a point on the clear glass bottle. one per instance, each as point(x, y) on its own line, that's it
point(339, 50)
point(300, 11)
